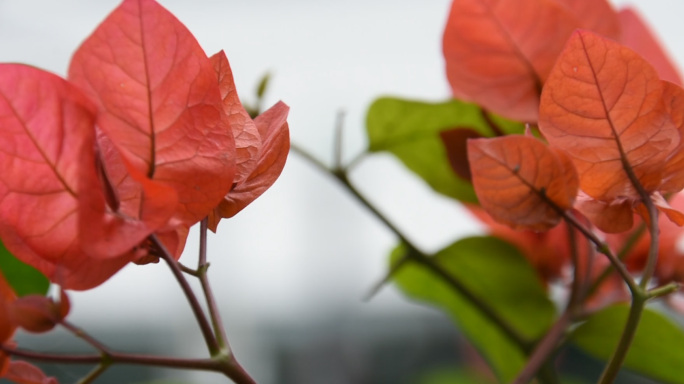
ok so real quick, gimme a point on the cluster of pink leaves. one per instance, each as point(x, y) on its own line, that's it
point(607, 102)
point(145, 137)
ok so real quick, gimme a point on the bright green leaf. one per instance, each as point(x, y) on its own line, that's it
point(657, 349)
point(496, 273)
point(410, 131)
point(22, 277)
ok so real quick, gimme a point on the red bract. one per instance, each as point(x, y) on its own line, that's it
point(588, 109)
point(17, 371)
point(36, 313)
point(159, 102)
point(49, 177)
point(139, 141)
point(521, 182)
point(262, 146)
point(498, 53)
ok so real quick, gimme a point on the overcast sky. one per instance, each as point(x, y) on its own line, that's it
point(305, 248)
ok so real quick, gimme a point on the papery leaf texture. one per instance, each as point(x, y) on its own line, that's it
point(247, 138)
point(521, 182)
point(498, 53)
point(639, 37)
point(262, 146)
point(664, 207)
point(613, 216)
point(159, 103)
point(274, 131)
point(673, 172)
point(47, 159)
point(603, 105)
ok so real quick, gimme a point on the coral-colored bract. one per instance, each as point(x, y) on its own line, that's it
point(140, 139)
point(518, 178)
point(159, 102)
point(21, 371)
point(588, 109)
point(500, 57)
point(604, 103)
point(262, 146)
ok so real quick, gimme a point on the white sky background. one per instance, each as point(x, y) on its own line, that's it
point(305, 249)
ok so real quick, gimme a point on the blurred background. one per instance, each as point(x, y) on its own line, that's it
point(291, 270)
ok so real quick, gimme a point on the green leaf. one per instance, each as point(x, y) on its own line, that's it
point(410, 131)
point(23, 278)
point(502, 278)
point(656, 350)
point(452, 376)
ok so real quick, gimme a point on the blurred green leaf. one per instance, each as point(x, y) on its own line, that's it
point(454, 376)
point(161, 381)
point(263, 85)
point(496, 273)
point(23, 278)
point(657, 350)
point(410, 131)
point(572, 380)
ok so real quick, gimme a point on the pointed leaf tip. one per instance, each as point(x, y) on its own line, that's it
point(247, 138)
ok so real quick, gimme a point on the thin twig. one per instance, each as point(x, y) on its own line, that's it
point(474, 300)
point(418, 256)
point(202, 267)
point(232, 367)
point(394, 268)
point(189, 271)
point(94, 374)
point(496, 130)
point(339, 141)
point(80, 333)
point(544, 349)
point(119, 358)
point(627, 246)
point(613, 367)
point(602, 248)
point(639, 294)
point(209, 338)
point(355, 161)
